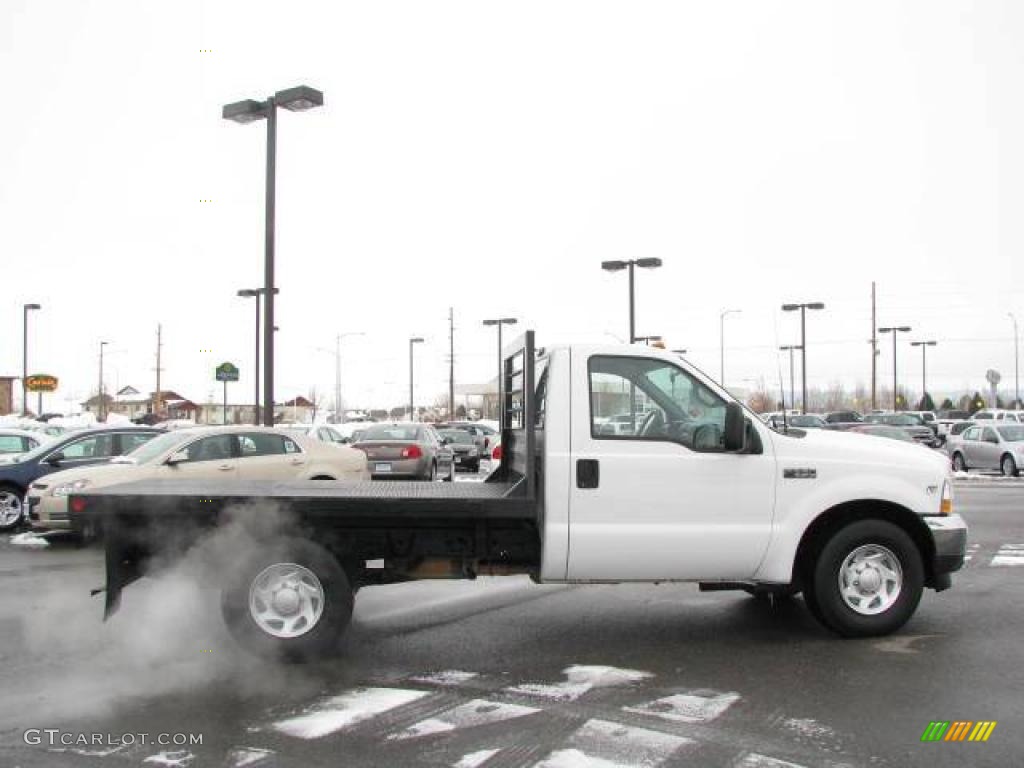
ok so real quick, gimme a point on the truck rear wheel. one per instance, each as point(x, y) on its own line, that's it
point(867, 580)
point(289, 601)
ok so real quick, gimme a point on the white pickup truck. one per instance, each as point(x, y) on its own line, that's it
point(699, 490)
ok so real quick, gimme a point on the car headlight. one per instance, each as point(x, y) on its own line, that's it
point(64, 489)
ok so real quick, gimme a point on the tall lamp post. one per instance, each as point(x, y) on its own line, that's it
point(500, 321)
point(924, 365)
point(99, 408)
point(803, 344)
point(1016, 366)
point(792, 391)
point(721, 342)
point(414, 340)
point(617, 266)
point(24, 358)
point(894, 329)
point(296, 99)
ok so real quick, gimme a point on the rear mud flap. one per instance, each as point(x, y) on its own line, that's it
point(122, 566)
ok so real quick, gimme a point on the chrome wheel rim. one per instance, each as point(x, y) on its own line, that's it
point(870, 580)
point(286, 600)
point(10, 508)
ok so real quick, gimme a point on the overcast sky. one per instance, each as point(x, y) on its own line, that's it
point(488, 156)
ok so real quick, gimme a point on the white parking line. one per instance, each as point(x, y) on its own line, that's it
point(1008, 555)
point(604, 744)
point(699, 706)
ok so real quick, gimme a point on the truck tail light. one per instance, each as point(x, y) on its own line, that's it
point(412, 452)
point(77, 505)
point(496, 454)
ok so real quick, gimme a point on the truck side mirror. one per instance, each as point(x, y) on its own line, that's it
point(735, 434)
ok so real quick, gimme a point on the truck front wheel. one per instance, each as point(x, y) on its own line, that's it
point(867, 580)
point(289, 601)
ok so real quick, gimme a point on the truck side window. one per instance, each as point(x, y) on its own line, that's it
point(635, 398)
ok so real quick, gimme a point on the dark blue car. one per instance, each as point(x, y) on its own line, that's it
point(75, 449)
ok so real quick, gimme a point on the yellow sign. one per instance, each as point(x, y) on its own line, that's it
point(41, 382)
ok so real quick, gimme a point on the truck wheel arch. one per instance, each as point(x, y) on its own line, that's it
point(834, 518)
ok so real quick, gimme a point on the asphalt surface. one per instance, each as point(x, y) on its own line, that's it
point(501, 672)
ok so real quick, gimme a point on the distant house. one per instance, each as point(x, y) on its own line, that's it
point(298, 409)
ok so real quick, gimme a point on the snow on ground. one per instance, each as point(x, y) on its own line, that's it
point(699, 706)
point(754, 760)
point(580, 680)
point(28, 540)
point(343, 711)
point(245, 756)
point(476, 759)
point(178, 759)
point(807, 727)
point(468, 715)
point(447, 677)
point(604, 744)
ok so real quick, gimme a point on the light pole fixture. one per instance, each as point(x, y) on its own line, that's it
point(99, 396)
point(648, 339)
point(414, 340)
point(1016, 366)
point(803, 344)
point(924, 365)
point(337, 372)
point(296, 99)
point(792, 390)
point(894, 329)
point(500, 321)
point(618, 266)
point(24, 358)
point(721, 342)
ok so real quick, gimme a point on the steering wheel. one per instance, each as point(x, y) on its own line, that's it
point(654, 422)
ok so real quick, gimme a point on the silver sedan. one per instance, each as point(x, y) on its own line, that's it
point(989, 447)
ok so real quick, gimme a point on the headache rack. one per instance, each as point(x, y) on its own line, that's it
point(518, 415)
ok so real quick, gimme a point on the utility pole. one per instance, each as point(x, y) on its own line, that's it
point(159, 346)
point(874, 350)
point(451, 363)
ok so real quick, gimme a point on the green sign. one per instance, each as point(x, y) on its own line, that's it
point(227, 372)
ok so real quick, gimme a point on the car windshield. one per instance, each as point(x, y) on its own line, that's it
point(158, 445)
point(396, 432)
point(1011, 432)
point(457, 436)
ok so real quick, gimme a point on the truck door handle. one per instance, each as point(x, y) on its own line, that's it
point(588, 473)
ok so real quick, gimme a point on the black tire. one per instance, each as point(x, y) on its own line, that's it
point(823, 595)
point(959, 463)
point(322, 638)
point(451, 473)
point(13, 495)
point(432, 477)
point(1008, 466)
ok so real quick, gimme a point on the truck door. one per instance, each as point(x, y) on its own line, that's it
point(656, 497)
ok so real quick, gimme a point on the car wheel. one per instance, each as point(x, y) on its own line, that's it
point(959, 464)
point(10, 507)
point(451, 473)
point(867, 580)
point(1009, 466)
point(290, 601)
point(432, 477)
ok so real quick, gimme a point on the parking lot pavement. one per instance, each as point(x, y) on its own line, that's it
point(506, 673)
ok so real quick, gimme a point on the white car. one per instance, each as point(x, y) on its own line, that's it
point(999, 415)
point(325, 433)
point(242, 452)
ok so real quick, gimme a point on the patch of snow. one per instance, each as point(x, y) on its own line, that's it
point(28, 540)
point(573, 758)
point(447, 677)
point(603, 743)
point(754, 760)
point(808, 727)
point(581, 679)
point(476, 759)
point(468, 715)
point(343, 711)
point(178, 759)
point(245, 756)
point(699, 706)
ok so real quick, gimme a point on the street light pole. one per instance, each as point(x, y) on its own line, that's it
point(924, 381)
point(24, 359)
point(1016, 366)
point(721, 342)
point(803, 344)
point(500, 321)
point(894, 330)
point(792, 389)
point(412, 341)
point(255, 293)
point(296, 99)
point(99, 408)
point(617, 266)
